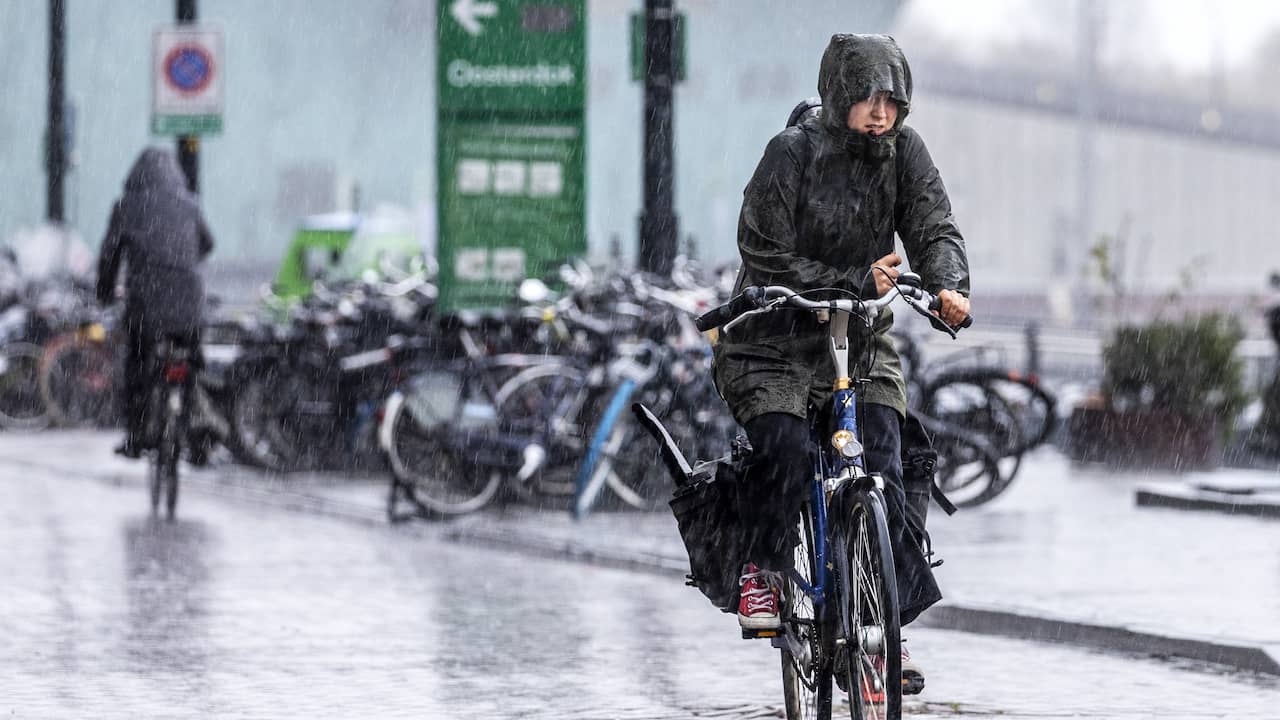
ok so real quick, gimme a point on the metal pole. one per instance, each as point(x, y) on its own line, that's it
point(1086, 117)
point(189, 145)
point(55, 147)
point(1032, 336)
point(658, 222)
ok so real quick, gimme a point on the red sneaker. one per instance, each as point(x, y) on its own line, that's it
point(758, 606)
point(912, 679)
point(912, 675)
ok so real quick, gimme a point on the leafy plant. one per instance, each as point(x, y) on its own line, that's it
point(1187, 367)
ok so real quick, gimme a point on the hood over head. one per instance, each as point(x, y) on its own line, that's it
point(855, 67)
point(156, 169)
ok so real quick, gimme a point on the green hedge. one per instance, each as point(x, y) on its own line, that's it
point(1188, 367)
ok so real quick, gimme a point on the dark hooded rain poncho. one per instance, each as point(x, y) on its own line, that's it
point(823, 205)
point(157, 230)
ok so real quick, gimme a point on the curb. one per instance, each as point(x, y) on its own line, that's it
point(961, 618)
point(1189, 499)
point(1101, 637)
point(1108, 638)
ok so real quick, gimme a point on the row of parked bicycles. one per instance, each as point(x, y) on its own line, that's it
point(529, 404)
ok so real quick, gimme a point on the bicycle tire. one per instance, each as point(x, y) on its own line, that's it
point(170, 449)
point(426, 471)
point(806, 681)
point(22, 405)
point(164, 471)
point(870, 658)
point(978, 436)
point(257, 428)
point(968, 470)
point(156, 432)
point(550, 400)
point(697, 421)
point(78, 381)
point(1032, 408)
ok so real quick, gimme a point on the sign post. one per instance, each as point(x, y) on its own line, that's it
point(511, 96)
point(186, 87)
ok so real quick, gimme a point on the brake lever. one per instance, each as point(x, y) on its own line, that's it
point(768, 306)
point(732, 323)
point(937, 322)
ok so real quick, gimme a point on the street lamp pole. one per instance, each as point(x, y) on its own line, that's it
point(189, 145)
point(658, 222)
point(55, 148)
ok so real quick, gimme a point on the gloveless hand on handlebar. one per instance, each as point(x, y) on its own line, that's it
point(955, 307)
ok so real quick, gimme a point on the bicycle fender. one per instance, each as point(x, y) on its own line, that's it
point(395, 403)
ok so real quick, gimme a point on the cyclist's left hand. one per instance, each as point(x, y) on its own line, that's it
point(955, 307)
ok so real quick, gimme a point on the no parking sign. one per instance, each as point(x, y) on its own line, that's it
point(187, 70)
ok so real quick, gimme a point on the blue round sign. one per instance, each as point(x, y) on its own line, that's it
point(188, 68)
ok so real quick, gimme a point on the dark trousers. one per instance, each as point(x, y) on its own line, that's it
point(778, 483)
point(140, 373)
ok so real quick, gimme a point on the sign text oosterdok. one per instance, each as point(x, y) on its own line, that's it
point(463, 74)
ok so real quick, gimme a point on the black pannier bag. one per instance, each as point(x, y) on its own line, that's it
point(706, 510)
point(919, 480)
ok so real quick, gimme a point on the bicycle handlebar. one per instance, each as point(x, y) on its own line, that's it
point(754, 299)
point(751, 298)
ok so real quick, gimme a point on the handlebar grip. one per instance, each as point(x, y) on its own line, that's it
point(936, 304)
point(748, 300)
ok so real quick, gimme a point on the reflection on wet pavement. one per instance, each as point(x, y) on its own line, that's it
point(239, 612)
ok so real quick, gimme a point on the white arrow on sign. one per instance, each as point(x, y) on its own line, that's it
point(468, 12)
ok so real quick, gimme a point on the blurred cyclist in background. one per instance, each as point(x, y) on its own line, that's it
point(157, 231)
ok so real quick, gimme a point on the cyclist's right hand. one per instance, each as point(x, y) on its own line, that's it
point(955, 307)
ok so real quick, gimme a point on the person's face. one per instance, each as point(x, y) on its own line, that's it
point(874, 116)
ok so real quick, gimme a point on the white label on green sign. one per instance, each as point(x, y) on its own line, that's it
point(546, 179)
point(473, 264)
point(508, 177)
point(473, 176)
point(463, 74)
point(508, 264)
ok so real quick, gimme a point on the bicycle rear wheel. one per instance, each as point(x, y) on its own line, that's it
point(429, 471)
point(869, 663)
point(164, 467)
point(806, 641)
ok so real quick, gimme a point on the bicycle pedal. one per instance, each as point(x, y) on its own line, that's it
point(912, 684)
point(760, 633)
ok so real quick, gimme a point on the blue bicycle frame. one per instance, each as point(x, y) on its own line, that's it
point(845, 403)
point(584, 495)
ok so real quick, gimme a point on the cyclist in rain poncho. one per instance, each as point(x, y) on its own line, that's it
point(821, 211)
point(159, 234)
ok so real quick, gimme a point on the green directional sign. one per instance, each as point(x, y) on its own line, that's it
point(512, 155)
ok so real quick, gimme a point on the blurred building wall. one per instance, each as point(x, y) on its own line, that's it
point(329, 100)
point(1174, 203)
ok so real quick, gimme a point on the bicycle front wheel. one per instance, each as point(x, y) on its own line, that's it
point(78, 381)
point(806, 641)
point(21, 405)
point(869, 663)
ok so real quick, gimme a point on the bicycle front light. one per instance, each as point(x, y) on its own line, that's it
point(846, 444)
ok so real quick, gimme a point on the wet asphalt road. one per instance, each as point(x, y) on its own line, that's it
point(236, 611)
